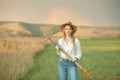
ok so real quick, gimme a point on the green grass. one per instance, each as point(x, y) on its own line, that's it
point(102, 56)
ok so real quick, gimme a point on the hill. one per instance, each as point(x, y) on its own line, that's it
point(12, 29)
point(95, 32)
point(8, 28)
point(22, 28)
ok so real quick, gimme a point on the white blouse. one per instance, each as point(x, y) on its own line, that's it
point(68, 48)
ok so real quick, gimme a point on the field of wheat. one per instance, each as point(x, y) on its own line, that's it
point(16, 55)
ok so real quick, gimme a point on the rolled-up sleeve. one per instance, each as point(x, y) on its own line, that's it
point(78, 49)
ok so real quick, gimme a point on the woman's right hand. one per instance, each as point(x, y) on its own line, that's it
point(57, 47)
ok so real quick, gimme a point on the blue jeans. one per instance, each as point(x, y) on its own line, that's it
point(67, 67)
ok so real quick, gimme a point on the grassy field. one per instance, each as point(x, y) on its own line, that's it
point(102, 56)
point(17, 56)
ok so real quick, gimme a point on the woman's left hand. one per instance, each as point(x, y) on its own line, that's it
point(74, 59)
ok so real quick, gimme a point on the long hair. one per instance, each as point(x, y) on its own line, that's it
point(72, 36)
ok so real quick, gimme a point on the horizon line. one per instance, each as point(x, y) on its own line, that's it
point(54, 24)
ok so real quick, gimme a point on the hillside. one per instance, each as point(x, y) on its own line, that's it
point(12, 29)
point(30, 29)
point(22, 28)
point(95, 32)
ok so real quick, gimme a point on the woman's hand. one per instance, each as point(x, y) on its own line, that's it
point(57, 47)
point(74, 59)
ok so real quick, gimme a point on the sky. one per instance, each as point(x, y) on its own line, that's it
point(79, 12)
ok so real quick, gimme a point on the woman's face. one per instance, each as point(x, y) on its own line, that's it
point(68, 30)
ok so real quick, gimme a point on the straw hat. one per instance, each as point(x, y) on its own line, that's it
point(74, 28)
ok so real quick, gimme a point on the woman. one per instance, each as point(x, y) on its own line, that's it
point(71, 46)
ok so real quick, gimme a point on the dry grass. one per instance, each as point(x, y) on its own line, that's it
point(16, 55)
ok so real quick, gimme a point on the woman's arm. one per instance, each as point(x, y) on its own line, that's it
point(78, 48)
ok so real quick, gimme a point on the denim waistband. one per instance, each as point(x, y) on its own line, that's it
point(65, 59)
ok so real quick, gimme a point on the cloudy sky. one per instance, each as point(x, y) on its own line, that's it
point(80, 12)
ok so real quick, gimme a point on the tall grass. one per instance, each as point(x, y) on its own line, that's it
point(16, 55)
